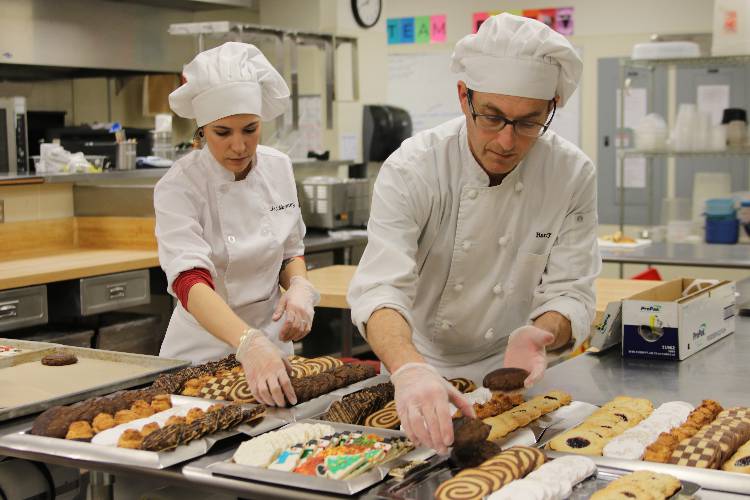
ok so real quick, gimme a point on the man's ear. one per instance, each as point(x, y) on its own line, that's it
point(462, 93)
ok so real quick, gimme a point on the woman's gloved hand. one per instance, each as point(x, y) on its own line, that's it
point(299, 303)
point(527, 349)
point(422, 398)
point(266, 369)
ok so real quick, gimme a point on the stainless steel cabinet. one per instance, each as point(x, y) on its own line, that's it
point(22, 307)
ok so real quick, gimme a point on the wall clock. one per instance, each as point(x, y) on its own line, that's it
point(367, 12)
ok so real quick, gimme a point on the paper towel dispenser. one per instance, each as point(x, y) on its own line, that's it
point(384, 128)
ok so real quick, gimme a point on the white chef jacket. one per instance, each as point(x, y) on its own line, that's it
point(465, 263)
point(240, 231)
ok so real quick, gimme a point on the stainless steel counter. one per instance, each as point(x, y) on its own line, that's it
point(683, 254)
point(720, 372)
point(141, 173)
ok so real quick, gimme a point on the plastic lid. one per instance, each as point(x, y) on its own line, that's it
point(734, 114)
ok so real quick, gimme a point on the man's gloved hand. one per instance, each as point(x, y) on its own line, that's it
point(422, 397)
point(266, 369)
point(299, 302)
point(527, 349)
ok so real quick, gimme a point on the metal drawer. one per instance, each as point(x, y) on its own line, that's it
point(114, 291)
point(22, 307)
point(98, 294)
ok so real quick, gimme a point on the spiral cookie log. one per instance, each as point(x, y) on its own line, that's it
point(386, 418)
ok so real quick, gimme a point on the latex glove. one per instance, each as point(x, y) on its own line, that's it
point(422, 398)
point(299, 303)
point(527, 349)
point(266, 369)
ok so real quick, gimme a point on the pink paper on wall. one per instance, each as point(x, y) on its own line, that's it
point(477, 20)
point(438, 28)
point(564, 21)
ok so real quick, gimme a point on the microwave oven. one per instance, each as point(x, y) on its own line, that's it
point(14, 142)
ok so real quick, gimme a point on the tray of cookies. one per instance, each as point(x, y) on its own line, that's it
point(318, 456)
point(707, 444)
point(524, 473)
point(141, 428)
point(317, 383)
point(37, 379)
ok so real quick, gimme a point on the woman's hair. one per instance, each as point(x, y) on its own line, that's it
point(198, 138)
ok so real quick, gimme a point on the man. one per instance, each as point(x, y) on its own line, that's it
point(482, 232)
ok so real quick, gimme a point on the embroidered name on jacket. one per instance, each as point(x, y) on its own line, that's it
point(543, 235)
point(278, 208)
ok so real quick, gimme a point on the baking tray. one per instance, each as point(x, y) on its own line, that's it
point(224, 467)
point(545, 428)
point(24, 441)
point(152, 366)
point(24, 345)
point(422, 484)
point(318, 406)
point(710, 479)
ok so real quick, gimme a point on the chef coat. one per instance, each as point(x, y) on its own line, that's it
point(466, 264)
point(240, 231)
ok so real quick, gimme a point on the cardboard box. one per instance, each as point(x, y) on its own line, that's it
point(662, 324)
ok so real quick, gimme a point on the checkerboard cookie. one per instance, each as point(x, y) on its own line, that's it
point(661, 450)
point(697, 452)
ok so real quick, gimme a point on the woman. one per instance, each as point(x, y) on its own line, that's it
point(229, 226)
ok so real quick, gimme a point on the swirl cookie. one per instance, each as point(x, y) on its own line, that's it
point(463, 384)
point(386, 418)
point(240, 392)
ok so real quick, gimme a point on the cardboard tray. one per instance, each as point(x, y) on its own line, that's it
point(24, 441)
point(153, 366)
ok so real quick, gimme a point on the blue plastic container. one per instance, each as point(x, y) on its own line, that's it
point(719, 207)
point(721, 230)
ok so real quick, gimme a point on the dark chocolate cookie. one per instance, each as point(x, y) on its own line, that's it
point(505, 379)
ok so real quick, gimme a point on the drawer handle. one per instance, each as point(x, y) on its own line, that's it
point(9, 309)
point(117, 291)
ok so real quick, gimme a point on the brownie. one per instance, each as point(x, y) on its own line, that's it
point(471, 456)
point(468, 432)
point(505, 379)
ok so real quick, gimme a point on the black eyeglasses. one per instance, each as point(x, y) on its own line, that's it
point(495, 123)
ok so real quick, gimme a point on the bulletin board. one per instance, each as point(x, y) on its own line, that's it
point(424, 85)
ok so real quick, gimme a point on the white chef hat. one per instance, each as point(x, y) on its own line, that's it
point(231, 79)
point(518, 56)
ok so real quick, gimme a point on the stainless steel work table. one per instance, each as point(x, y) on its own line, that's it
point(719, 372)
point(682, 254)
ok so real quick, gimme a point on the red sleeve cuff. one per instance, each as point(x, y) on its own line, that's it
point(185, 281)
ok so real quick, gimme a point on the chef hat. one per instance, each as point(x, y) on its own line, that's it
point(518, 56)
point(231, 79)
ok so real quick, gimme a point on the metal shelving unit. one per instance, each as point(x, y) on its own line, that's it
point(650, 65)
